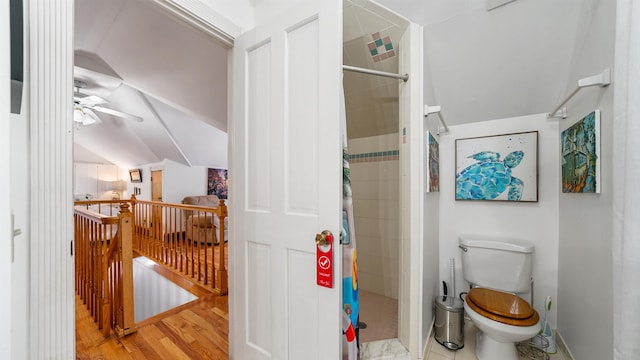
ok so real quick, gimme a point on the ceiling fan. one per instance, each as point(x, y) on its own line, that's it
point(85, 107)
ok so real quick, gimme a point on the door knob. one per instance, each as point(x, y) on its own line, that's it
point(322, 239)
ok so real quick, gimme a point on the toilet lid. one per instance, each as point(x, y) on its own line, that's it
point(502, 307)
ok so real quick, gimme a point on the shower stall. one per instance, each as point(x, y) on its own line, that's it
point(371, 83)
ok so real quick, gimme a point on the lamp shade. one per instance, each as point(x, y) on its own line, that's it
point(117, 185)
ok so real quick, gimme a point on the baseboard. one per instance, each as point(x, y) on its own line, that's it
point(562, 346)
point(426, 343)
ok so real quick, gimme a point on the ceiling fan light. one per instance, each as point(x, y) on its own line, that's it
point(79, 115)
point(88, 120)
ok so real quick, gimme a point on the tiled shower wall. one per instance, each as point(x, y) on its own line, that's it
point(375, 181)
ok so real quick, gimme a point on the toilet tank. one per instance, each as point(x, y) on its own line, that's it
point(497, 263)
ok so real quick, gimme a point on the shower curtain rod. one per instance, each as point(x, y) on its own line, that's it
point(404, 77)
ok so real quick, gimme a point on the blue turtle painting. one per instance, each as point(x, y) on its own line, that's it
point(489, 177)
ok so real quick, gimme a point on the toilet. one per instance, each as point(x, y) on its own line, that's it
point(497, 270)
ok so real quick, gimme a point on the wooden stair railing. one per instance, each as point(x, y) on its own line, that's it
point(186, 238)
point(104, 266)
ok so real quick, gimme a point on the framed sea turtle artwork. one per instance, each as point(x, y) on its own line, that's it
point(581, 155)
point(498, 167)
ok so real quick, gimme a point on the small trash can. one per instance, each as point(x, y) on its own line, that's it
point(449, 323)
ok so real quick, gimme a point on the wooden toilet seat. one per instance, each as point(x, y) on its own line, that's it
point(502, 307)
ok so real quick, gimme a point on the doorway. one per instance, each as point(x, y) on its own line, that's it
point(156, 185)
point(372, 105)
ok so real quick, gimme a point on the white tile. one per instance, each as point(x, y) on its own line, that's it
point(391, 230)
point(374, 143)
point(368, 208)
point(370, 265)
point(366, 227)
point(389, 189)
point(439, 349)
point(391, 210)
point(468, 352)
point(439, 352)
point(384, 349)
point(389, 170)
point(436, 356)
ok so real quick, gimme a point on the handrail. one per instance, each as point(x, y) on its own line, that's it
point(181, 237)
point(104, 267)
point(184, 238)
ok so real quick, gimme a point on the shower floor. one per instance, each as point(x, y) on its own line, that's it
point(380, 313)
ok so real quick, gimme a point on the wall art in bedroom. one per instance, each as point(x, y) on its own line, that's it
point(498, 167)
point(135, 175)
point(433, 164)
point(581, 155)
point(217, 183)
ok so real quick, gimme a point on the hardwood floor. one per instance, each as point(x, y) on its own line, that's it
point(196, 330)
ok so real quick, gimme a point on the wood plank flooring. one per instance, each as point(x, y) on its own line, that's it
point(196, 330)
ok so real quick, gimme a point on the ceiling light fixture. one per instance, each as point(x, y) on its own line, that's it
point(80, 116)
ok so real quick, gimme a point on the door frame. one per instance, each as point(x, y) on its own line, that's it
point(6, 247)
point(412, 180)
point(203, 18)
point(53, 100)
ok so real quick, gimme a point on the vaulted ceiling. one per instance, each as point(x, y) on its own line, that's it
point(512, 60)
point(150, 65)
point(480, 64)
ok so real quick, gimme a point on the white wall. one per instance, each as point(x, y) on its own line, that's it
point(15, 150)
point(535, 222)
point(431, 221)
point(20, 266)
point(5, 209)
point(585, 220)
point(375, 186)
point(180, 181)
point(95, 180)
point(431, 261)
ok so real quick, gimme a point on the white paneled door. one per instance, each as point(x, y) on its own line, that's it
point(286, 179)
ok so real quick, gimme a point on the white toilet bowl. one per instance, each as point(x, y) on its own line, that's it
point(496, 340)
point(498, 269)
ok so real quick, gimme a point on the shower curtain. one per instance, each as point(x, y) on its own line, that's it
point(626, 181)
point(350, 304)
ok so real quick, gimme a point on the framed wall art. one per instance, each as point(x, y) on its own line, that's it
point(135, 175)
point(498, 167)
point(217, 183)
point(581, 155)
point(433, 164)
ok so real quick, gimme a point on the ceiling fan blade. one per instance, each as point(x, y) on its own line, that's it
point(91, 117)
point(118, 113)
point(91, 100)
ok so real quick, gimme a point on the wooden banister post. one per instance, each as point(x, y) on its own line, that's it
point(136, 232)
point(221, 273)
point(125, 227)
